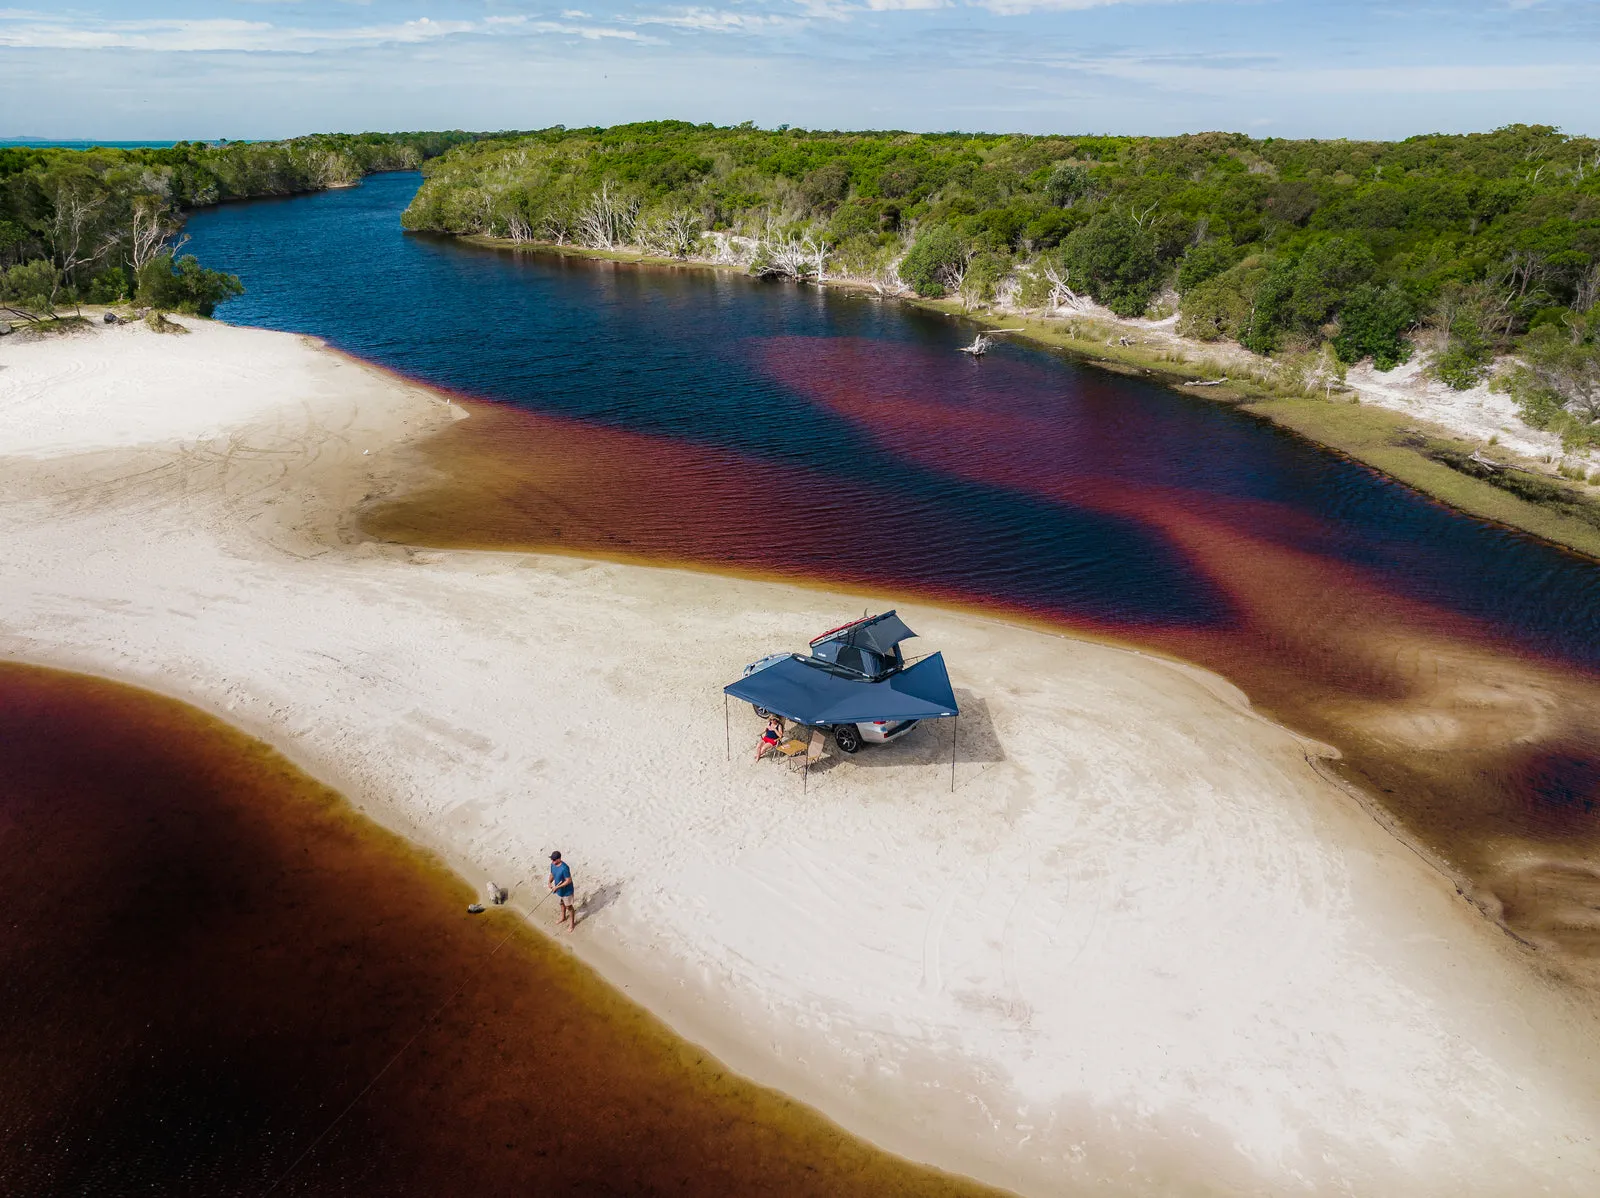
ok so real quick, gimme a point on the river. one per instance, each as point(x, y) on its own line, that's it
point(695, 416)
point(233, 955)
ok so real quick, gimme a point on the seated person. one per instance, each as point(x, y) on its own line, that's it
point(770, 736)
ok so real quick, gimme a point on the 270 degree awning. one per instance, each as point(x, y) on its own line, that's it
point(813, 694)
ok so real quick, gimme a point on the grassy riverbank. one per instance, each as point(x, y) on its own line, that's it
point(1426, 456)
point(1423, 455)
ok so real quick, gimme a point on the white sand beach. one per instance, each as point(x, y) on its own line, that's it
point(1143, 947)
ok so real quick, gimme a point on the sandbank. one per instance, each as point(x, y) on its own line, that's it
point(1143, 945)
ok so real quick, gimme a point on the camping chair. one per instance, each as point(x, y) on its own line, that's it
point(814, 747)
point(813, 753)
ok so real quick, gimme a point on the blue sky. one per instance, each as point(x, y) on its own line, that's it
point(267, 68)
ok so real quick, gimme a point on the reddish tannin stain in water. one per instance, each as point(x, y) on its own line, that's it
point(1479, 740)
point(206, 956)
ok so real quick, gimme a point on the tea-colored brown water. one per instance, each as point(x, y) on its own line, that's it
point(699, 418)
point(1485, 754)
point(206, 956)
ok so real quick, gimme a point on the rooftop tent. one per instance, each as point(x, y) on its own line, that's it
point(879, 634)
point(867, 646)
point(808, 692)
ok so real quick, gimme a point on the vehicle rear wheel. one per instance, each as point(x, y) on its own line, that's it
point(762, 712)
point(847, 738)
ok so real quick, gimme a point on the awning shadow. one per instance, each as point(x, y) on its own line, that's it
point(929, 742)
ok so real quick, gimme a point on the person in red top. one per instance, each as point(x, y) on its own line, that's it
point(770, 736)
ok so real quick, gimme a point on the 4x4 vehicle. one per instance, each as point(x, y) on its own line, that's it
point(867, 649)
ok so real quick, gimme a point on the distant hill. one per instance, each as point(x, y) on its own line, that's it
point(55, 144)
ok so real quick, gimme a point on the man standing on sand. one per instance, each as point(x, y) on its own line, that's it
point(561, 885)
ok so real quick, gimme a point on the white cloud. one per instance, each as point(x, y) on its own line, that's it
point(210, 34)
point(1013, 8)
point(717, 20)
point(1398, 79)
point(30, 30)
point(588, 32)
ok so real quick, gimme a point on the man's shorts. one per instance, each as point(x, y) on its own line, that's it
point(570, 898)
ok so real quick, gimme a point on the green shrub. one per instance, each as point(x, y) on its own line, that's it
point(1214, 311)
point(1270, 308)
point(109, 286)
point(1372, 324)
point(1116, 260)
point(185, 286)
point(853, 220)
point(983, 277)
point(931, 262)
point(1067, 184)
point(1464, 361)
point(826, 186)
point(32, 285)
point(1204, 262)
point(1326, 274)
point(1557, 383)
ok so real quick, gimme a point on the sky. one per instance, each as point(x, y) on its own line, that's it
point(169, 69)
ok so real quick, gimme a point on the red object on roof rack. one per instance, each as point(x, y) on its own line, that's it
point(814, 640)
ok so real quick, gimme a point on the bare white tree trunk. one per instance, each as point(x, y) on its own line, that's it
point(607, 220)
point(555, 226)
point(1588, 290)
point(154, 223)
point(674, 235)
point(1006, 294)
point(70, 225)
point(886, 278)
point(518, 228)
point(819, 257)
point(729, 249)
point(1060, 294)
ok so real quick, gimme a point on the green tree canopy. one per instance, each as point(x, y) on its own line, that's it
point(1373, 323)
point(1557, 382)
point(933, 260)
point(185, 285)
point(1116, 260)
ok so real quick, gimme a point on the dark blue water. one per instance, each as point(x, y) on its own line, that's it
point(754, 371)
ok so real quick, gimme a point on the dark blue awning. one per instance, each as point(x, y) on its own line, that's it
point(812, 694)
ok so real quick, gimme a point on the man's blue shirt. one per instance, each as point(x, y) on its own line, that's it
point(561, 875)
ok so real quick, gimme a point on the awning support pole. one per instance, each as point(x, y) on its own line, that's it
point(727, 734)
point(955, 727)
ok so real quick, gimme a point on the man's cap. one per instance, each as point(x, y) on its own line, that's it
point(556, 856)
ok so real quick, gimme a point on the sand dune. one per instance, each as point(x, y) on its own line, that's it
point(1142, 947)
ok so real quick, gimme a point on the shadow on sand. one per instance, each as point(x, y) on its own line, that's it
point(928, 745)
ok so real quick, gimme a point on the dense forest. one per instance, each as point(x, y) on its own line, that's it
point(1465, 248)
point(104, 225)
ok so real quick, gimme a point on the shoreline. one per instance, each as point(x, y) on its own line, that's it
point(1187, 887)
point(272, 857)
point(1409, 446)
point(691, 1018)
